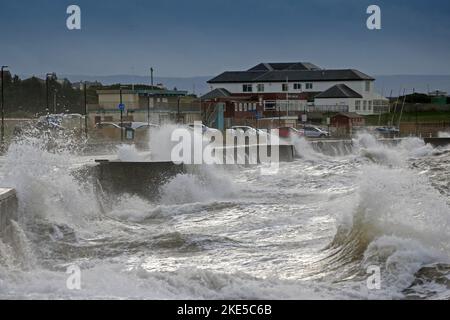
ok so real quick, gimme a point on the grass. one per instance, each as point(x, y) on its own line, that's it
point(427, 116)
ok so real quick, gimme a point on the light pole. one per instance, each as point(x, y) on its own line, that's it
point(85, 110)
point(121, 114)
point(54, 100)
point(151, 77)
point(3, 105)
point(148, 109)
point(47, 88)
point(178, 110)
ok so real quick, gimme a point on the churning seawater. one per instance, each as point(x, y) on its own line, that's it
point(309, 231)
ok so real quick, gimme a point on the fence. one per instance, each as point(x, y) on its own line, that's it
point(424, 129)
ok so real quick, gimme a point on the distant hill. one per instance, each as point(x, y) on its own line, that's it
point(384, 83)
point(420, 83)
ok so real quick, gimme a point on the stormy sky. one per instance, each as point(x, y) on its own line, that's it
point(204, 37)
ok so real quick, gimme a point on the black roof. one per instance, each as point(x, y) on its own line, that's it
point(216, 93)
point(284, 66)
point(348, 115)
point(258, 74)
point(338, 91)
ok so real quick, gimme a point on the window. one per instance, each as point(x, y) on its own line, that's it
point(370, 105)
point(367, 86)
point(364, 105)
point(235, 107)
point(260, 87)
point(297, 86)
point(240, 106)
point(164, 100)
point(309, 86)
point(285, 87)
point(247, 88)
point(358, 105)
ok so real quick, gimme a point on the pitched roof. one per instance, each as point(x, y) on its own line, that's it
point(216, 93)
point(349, 115)
point(284, 66)
point(338, 91)
point(290, 75)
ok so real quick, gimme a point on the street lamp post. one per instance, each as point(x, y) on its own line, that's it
point(47, 89)
point(178, 110)
point(121, 114)
point(54, 101)
point(151, 77)
point(85, 110)
point(148, 110)
point(3, 105)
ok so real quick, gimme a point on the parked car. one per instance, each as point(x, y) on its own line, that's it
point(289, 132)
point(315, 132)
point(104, 125)
point(143, 125)
point(244, 129)
point(387, 130)
point(205, 129)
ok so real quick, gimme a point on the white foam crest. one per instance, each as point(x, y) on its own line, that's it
point(392, 155)
point(207, 185)
point(406, 220)
point(304, 149)
point(44, 184)
point(106, 281)
point(129, 153)
point(400, 259)
point(133, 208)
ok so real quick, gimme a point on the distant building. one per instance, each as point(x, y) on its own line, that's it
point(293, 88)
point(164, 106)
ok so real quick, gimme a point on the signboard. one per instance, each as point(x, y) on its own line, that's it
point(129, 134)
point(304, 118)
point(121, 106)
point(328, 121)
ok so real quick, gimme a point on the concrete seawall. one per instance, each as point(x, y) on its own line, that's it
point(342, 147)
point(141, 178)
point(437, 142)
point(145, 178)
point(8, 210)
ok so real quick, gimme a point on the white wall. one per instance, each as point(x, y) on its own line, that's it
point(318, 86)
point(276, 87)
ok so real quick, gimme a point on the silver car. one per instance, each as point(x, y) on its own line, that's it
point(315, 132)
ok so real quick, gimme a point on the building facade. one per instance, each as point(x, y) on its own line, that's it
point(157, 106)
point(292, 88)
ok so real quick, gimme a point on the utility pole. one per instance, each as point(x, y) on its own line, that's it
point(3, 106)
point(287, 96)
point(54, 101)
point(121, 114)
point(151, 77)
point(148, 109)
point(47, 88)
point(85, 110)
point(178, 110)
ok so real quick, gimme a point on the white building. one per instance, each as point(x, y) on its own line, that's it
point(346, 90)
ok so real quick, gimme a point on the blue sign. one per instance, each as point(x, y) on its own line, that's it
point(121, 106)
